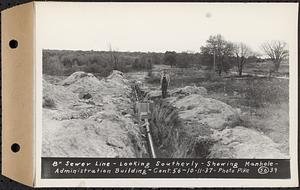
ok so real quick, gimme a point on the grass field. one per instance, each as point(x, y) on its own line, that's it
point(264, 68)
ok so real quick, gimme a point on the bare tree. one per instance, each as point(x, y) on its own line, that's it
point(113, 57)
point(242, 52)
point(276, 51)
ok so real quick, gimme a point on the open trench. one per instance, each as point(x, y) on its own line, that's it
point(101, 120)
point(171, 138)
point(190, 124)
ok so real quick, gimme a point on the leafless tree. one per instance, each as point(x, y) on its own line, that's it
point(242, 52)
point(113, 57)
point(277, 51)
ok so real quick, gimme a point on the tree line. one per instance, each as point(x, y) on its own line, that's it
point(101, 63)
point(218, 55)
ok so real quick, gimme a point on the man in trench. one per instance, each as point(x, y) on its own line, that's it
point(164, 81)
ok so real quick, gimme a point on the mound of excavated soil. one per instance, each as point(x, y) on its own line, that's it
point(79, 75)
point(59, 95)
point(101, 125)
point(188, 90)
point(179, 92)
point(188, 124)
point(241, 142)
point(210, 112)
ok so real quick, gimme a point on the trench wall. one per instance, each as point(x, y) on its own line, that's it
point(171, 137)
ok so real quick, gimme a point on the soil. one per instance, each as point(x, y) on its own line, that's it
point(101, 126)
point(88, 117)
point(206, 127)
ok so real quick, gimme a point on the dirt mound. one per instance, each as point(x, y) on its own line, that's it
point(194, 126)
point(188, 90)
point(117, 76)
point(78, 75)
point(241, 142)
point(213, 113)
point(113, 86)
point(178, 92)
point(94, 119)
point(58, 96)
point(93, 137)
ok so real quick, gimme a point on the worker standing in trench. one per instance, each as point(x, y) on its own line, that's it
point(164, 81)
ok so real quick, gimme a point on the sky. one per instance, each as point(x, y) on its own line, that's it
point(160, 27)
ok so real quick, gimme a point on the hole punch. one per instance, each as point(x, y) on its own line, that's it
point(15, 147)
point(13, 44)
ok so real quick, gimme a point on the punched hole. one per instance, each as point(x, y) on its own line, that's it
point(13, 44)
point(15, 147)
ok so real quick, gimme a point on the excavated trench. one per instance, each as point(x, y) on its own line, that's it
point(172, 136)
point(189, 124)
point(99, 119)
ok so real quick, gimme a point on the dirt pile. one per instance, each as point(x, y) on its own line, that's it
point(188, 90)
point(77, 76)
point(179, 92)
point(241, 142)
point(57, 95)
point(206, 111)
point(92, 118)
point(188, 124)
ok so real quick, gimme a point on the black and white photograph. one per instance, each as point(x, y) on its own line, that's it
point(182, 82)
point(172, 91)
point(150, 94)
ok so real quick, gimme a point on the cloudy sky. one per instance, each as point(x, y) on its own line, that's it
point(161, 27)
